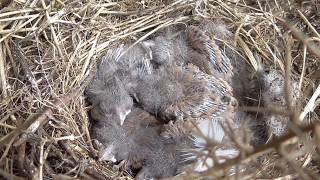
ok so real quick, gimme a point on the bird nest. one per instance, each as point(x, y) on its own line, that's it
point(49, 49)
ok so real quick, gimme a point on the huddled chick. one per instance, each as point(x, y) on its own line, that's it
point(273, 95)
point(144, 143)
point(184, 91)
point(116, 76)
point(160, 103)
point(172, 155)
point(261, 88)
point(109, 98)
point(181, 46)
point(120, 141)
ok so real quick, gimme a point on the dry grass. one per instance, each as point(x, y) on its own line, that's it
point(49, 49)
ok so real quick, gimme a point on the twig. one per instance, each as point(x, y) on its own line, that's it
point(311, 105)
point(18, 56)
point(287, 85)
point(308, 23)
point(19, 17)
point(50, 21)
point(9, 139)
point(301, 37)
point(297, 169)
point(90, 54)
point(34, 123)
point(303, 66)
point(3, 82)
point(21, 157)
point(41, 159)
point(17, 29)
point(248, 53)
point(96, 175)
point(9, 176)
point(66, 147)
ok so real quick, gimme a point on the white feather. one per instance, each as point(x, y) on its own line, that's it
point(211, 129)
point(204, 162)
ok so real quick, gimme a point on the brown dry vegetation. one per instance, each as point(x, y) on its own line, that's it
point(48, 50)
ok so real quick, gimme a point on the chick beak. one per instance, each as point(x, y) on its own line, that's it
point(108, 155)
point(112, 159)
point(123, 116)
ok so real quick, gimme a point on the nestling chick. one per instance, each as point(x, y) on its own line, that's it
point(254, 125)
point(201, 42)
point(184, 91)
point(245, 89)
point(170, 156)
point(117, 75)
point(122, 142)
point(133, 63)
point(156, 91)
point(205, 95)
point(245, 86)
point(273, 95)
point(181, 152)
point(186, 46)
point(110, 137)
point(204, 99)
point(109, 98)
point(170, 47)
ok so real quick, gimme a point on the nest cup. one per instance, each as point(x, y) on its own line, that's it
point(49, 49)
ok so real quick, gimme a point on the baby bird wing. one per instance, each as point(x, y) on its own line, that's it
point(204, 45)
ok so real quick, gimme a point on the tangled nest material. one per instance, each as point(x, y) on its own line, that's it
point(48, 50)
